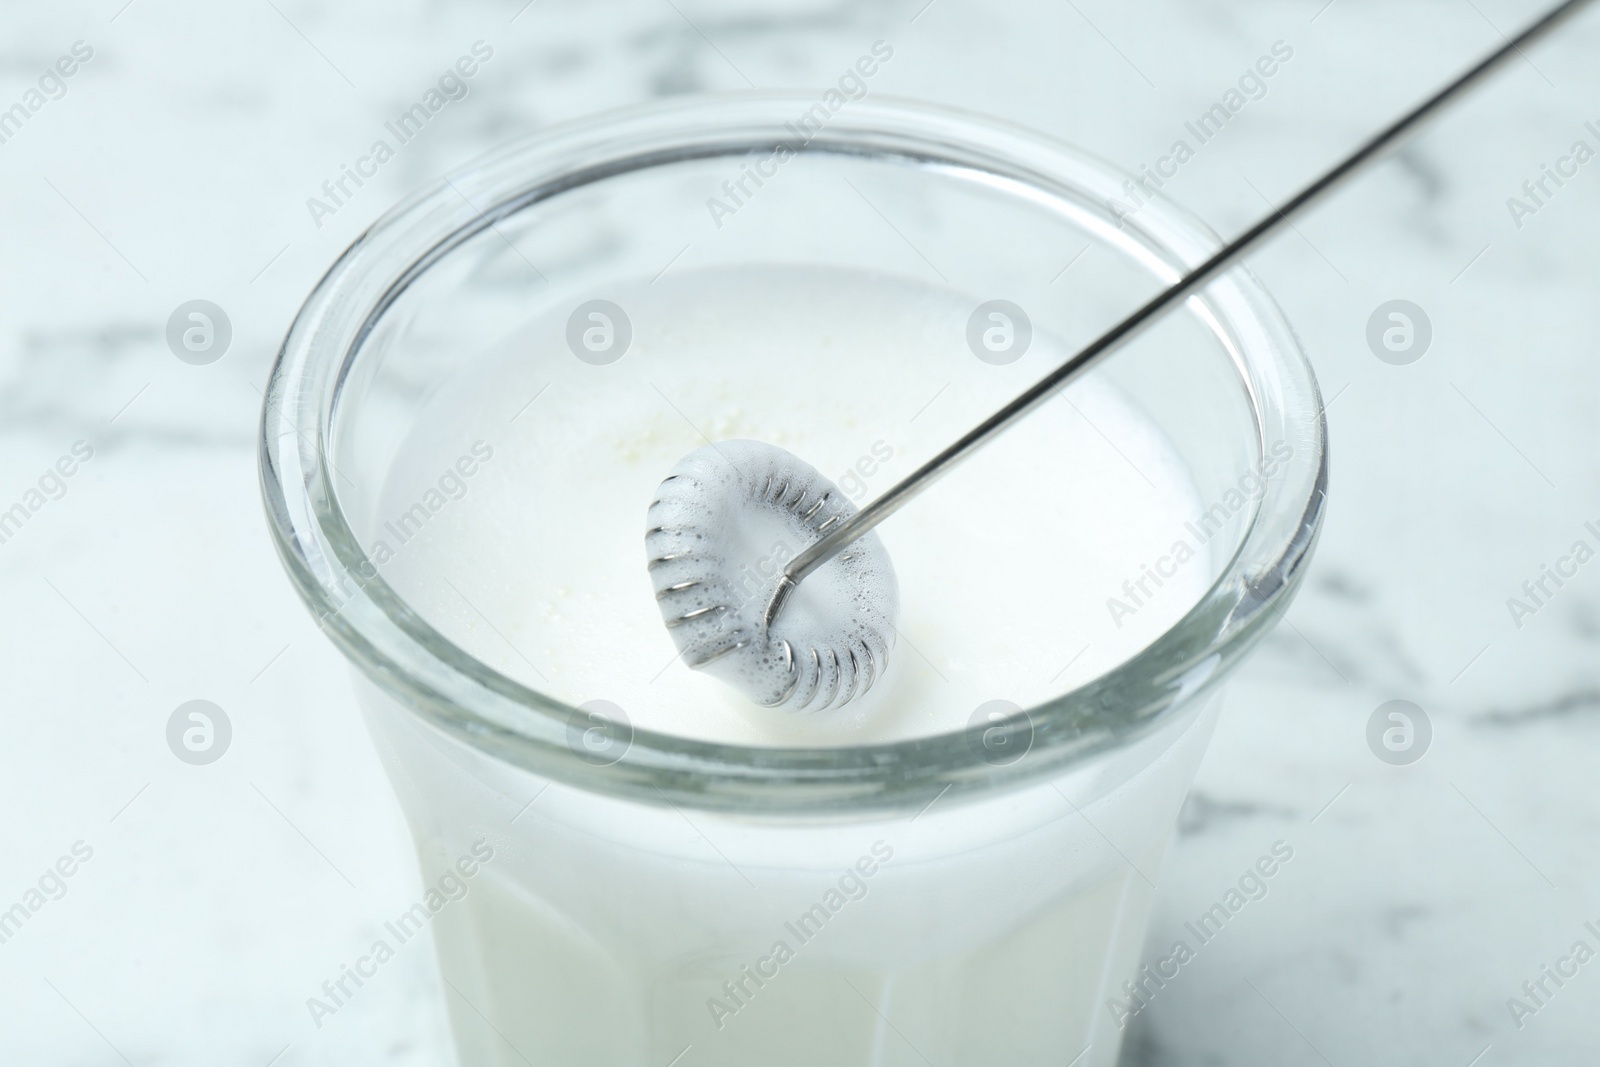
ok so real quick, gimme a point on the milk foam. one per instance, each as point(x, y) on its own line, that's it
point(1003, 568)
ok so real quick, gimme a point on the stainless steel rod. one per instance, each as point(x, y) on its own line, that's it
point(897, 496)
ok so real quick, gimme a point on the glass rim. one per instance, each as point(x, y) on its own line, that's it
point(496, 714)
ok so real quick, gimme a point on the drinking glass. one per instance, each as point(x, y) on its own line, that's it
point(633, 898)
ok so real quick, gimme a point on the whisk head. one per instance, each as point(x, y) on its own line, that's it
point(721, 527)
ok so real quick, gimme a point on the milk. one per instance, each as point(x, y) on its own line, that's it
point(611, 932)
point(1004, 567)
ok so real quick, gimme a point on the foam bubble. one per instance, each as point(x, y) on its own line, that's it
point(721, 528)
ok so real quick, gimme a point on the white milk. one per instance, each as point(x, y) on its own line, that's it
point(606, 932)
point(1004, 567)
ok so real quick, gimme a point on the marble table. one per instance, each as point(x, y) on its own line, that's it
point(205, 904)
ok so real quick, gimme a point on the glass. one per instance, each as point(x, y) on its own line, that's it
point(976, 897)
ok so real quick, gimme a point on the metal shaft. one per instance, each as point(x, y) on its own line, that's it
point(897, 496)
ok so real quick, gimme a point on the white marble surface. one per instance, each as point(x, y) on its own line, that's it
point(217, 899)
